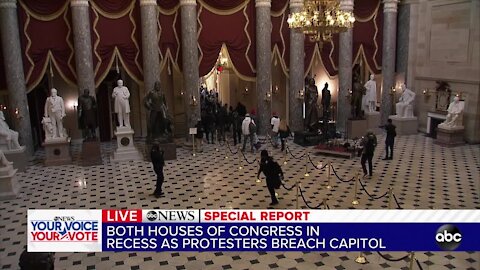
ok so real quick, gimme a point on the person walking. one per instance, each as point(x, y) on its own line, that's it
point(284, 132)
point(273, 174)
point(275, 123)
point(390, 139)
point(369, 142)
point(199, 136)
point(247, 128)
point(236, 127)
point(156, 155)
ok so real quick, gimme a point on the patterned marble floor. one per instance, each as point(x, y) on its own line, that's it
point(423, 176)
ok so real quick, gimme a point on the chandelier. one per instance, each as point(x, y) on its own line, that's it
point(320, 19)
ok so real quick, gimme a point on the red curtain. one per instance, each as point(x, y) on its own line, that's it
point(280, 30)
point(223, 4)
point(170, 33)
point(216, 29)
point(39, 47)
point(368, 33)
point(168, 4)
point(119, 29)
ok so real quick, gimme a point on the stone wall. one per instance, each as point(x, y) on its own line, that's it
point(444, 44)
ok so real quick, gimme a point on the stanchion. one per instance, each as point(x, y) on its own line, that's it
point(355, 201)
point(306, 166)
point(412, 259)
point(390, 194)
point(297, 185)
point(285, 156)
point(329, 176)
point(361, 259)
point(218, 141)
point(239, 159)
point(325, 205)
point(193, 145)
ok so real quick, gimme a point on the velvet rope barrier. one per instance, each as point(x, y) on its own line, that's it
point(393, 260)
point(341, 179)
point(369, 195)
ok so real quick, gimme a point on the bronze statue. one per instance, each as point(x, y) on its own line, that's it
point(87, 115)
point(357, 94)
point(311, 108)
point(159, 123)
point(326, 97)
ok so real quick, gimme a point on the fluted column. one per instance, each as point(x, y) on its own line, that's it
point(344, 72)
point(388, 56)
point(15, 77)
point(188, 12)
point(83, 45)
point(297, 72)
point(151, 61)
point(264, 63)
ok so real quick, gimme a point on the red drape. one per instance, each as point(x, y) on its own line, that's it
point(222, 4)
point(168, 4)
point(113, 6)
point(281, 31)
point(117, 34)
point(38, 46)
point(237, 31)
point(368, 32)
point(170, 34)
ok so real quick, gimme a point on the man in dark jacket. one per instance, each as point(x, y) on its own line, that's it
point(390, 140)
point(156, 154)
point(273, 174)
point(369, 142)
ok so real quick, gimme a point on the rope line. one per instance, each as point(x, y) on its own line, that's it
point(373, 197)
point(229, 149)
point(393, 260)
point(341, 179)
point(299, 157)
point(315, 166)
point(289, 189)
point(319, 206)
point(419, 264)
point(396, 201)
point(249, 162)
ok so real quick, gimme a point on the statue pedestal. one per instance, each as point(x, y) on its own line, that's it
point(169, 151)
point(18, 157)
point(306, 138)
point(373, 122)
point(356, 128)
point(405, 125)
point(8, 183)
point(57, 151)
point(447, 136)
point(91, 153)
point(125, 148)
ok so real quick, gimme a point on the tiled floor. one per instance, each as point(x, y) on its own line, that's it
point(423, 175)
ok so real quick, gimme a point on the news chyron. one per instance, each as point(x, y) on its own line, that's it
point(252, 230)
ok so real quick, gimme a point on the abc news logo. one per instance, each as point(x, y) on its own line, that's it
point(448, 237)
point(171, 215)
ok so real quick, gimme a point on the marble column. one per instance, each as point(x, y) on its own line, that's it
point(297, 72)
point(388, 56)
point(345, 62)
point(188, 10)
point(264, 64)
point(12, 53)
point(151, 58)
point(83, 45)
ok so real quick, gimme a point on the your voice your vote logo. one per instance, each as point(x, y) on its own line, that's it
point(53, 230)
point(448, 237)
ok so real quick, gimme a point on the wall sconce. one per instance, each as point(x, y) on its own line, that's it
point(459, 95)
point(17, 113)
point(300, 94)
point(393, 90)
point(268, 96)
point(182, 93)
point(426, 93)
point(245, 92)
point(275, 90)
point(349, 95)
point(193, 101)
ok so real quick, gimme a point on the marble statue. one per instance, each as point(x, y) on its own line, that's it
point(370, 97)
point(55, 112)
point(3, 160)
point(122, 106)
point(405, 104)
point(455, 115)
point(311, 109)
point(326, 98)
point(358, 91)
point(8, 136)
point(159, 122)
point(87, 115)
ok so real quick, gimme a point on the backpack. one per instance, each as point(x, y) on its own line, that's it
point(277, 172)
point(252, 127)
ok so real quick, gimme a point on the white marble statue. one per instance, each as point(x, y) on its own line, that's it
point(8, 137)
point(3, 160)
point(122, 106)
point(455, 115)
point(370, 97)
point(405, 104)
point(55, 112)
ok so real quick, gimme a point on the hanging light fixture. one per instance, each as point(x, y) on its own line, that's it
point(320, 19)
